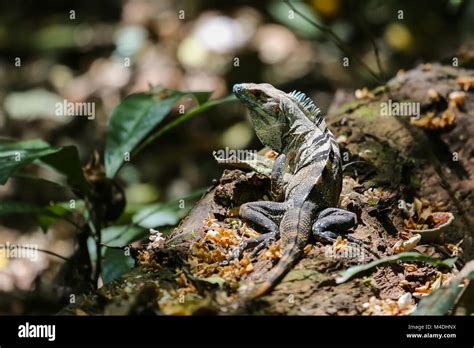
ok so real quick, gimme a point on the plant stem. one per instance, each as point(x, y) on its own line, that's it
point(337, 40)
point(32, 248)
point(177, 121)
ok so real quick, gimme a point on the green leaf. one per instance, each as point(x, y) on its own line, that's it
point(120, 236)
point(139, 216)
point(407, 256)
point(25, 144)
point(46, 220)
point(164, 214)
point(114, 264)
point(156, 216)
point(37, 179)
point(136, 117)
point(201, 97)
point(67, 162)
point(44, 215)
point(64, 160)
point(15, 155)
point(13, 207)
point(58, 210)
point(214, 280)
point(441, 301)
point(182, 118)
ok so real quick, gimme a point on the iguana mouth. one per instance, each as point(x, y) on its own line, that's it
point(254, 100)
point(238, 88)
point(242, 92)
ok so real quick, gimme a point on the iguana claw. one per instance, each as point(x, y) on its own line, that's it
point(258, 243)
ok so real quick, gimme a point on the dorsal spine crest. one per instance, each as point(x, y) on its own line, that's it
point(308, 105)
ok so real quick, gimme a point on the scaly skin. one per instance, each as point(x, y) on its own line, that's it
point(306, 177)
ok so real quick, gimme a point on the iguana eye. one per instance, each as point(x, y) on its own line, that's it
point(258, 94)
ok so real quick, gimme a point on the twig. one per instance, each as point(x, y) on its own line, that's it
point(3, 246)
point(196, 110)
point(94, 212)
point(374, 46)
point(96, 220)
point(337, 40)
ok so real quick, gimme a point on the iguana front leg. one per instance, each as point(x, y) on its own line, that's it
point(265, 216)
point(276, 179)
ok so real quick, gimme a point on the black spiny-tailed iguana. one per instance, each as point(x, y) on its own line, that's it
point(306, 178)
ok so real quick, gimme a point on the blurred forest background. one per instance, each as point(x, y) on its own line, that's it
point(102, 51)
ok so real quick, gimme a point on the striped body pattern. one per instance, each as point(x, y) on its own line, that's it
point(308, 171)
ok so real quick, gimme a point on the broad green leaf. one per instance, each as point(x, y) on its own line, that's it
point(188, 201)
point(157, 216)
point(138, 215)
point(214, 280)
point(182, 118)
point(46, 220)
point(24, 144)
point(64, 160)
point(27, 176)
point(441, 301)
point(44, 215)
point(133, 119)
point(407, 256)
point(120, 236)
point(15, 155)
point(67, 162)
point(59, 210)
point(13, 207)
point(201, 97)
point(114, 237)
point(114, 264)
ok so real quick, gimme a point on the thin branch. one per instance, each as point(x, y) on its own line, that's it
point(375, 47)
point(72, 222)
point(337, 40)
point(3, 246)
point(96, 218)
point(114, 247)
point(194, 111)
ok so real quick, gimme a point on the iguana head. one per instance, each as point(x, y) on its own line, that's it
point(265, 104)
point(275, 113)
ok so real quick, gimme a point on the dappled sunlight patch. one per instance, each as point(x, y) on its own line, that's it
point(403, 306)
point(209, 256)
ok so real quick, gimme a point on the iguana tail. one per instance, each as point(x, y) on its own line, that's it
point(290, 257)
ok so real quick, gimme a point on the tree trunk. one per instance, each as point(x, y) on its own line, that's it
point(392, 158)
